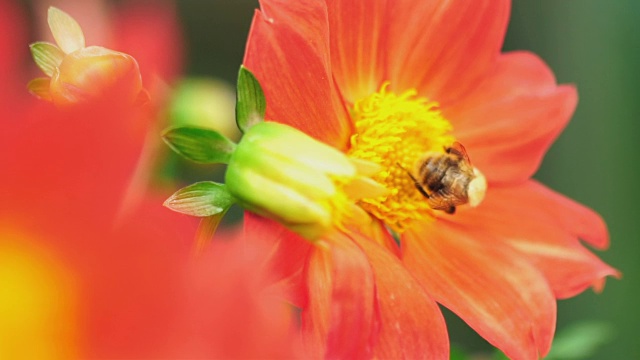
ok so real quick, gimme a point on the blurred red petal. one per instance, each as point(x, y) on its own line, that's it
point(443, 48)
point(358, 40)
point(132, 283)
point(505, 299)
point(13, 44)
point(232, 310)
point(287, 256)
point(544, 227)
point(149, 31)
point(13, 35)
point(411, 324)
point(288, 51)
point(340, 319)
point(64, 163)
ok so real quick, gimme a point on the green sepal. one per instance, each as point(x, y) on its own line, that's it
point(251, 105)
point(40, 88)
point(201, 199)
point(47, 56)
point(199, 144)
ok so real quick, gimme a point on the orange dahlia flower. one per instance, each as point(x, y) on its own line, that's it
point(387, 82)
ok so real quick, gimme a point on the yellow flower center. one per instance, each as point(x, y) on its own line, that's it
point(395, 131)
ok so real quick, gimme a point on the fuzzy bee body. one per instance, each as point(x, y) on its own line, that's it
point(448, 179)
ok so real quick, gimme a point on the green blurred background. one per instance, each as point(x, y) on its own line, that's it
point(594, 44)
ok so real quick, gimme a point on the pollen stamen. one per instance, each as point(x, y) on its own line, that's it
point(395, 131)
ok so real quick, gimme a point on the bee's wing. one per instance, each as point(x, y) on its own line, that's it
point(458, 150)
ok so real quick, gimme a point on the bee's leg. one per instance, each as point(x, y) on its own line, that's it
point(451, 210)
point(415, 182)
point(420, 188)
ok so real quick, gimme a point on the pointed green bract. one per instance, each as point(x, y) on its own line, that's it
point(199, 144)
point(47, 56)
point(201, 199)
point(40, 88)
point(251, 104)
point(65, 30)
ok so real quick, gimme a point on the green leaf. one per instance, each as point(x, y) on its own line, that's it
point(47, 56)
point(457, 353)
point(199, 144)
point(250, 104)
point(499, 355)
point(580, 341)
point(201, 199)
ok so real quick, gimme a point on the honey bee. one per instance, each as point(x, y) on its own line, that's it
point(448, 179)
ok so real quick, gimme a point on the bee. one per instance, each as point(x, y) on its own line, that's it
point(448, 179)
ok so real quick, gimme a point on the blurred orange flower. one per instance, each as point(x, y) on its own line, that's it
point(81, 278)
point(388, 81)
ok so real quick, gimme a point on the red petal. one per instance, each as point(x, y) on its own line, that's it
point(288, 51)
point(341, 311)
point(443, 48)
point(12, 61)
point(151, 34)
point(64, 163)
point(358, 46)
point(412, 325)
point(505, 299)
point(131, 281)
point(544, 227)
point(287, 258)
point(508, 124)
point(233, 312)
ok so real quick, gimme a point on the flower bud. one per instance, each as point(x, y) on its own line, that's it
point(80, 73)
point(282, 173)
point(96, 73)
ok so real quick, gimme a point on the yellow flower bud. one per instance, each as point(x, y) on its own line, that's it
point(282, 173)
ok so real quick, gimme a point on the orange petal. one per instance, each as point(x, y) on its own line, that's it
point(288, 51)
point(508, 124)
point(505, 299)
point(515, 74)
point(544, 227)
point(443, 48)
point(358, 42)
point(340, 319)
point(411, 324)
